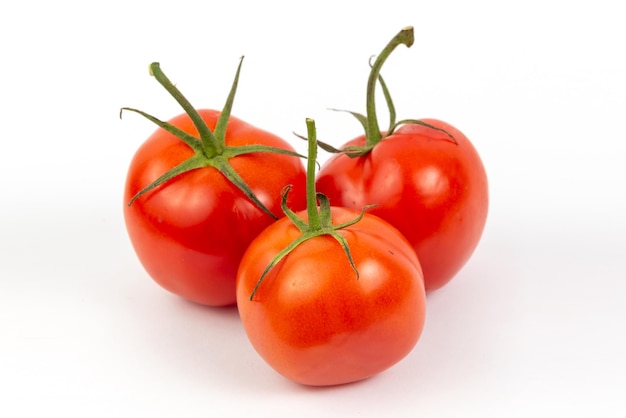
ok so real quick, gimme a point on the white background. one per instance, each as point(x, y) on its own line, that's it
point(534, 324)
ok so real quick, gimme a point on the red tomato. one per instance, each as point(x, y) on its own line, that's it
point(433, 190)
point(190, 233)
point(313, 320)
point(424, 176)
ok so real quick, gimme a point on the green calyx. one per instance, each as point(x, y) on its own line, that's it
point(369, 122)
point(319, 217)
point(210, 149)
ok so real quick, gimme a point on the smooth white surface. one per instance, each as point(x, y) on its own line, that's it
point(533, 325)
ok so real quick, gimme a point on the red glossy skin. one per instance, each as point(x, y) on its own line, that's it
point(191, 232)
point(313, 320)
point(433, 190)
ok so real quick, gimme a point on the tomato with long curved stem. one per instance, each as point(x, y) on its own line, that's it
point(330, 295)
point(424, 176)
point(199, 190)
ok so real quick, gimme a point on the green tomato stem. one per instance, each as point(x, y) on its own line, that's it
point(320, 218)
point(210, 149)
point(373, 134)
point(369, 122)
point(209, 142)
point(311, 196)
point(222, 122)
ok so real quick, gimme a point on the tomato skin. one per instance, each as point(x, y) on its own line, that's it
point(191, 232)
point(313, 320)
point(433, 190)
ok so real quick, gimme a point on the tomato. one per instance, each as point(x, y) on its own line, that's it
point(425, 178)
point(430, 188)
point(323, 309)
point(190, 231)
point(313, 320)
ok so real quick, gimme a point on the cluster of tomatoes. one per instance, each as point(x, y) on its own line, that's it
point(329, 271)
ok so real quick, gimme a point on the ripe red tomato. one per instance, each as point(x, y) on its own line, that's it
point(424, 176)
point(191, 231)
point(313, 320)
point(331, 295)
point(430, 188)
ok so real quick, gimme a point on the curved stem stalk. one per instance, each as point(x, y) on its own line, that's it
point(406, 37)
